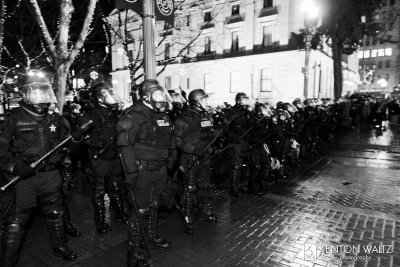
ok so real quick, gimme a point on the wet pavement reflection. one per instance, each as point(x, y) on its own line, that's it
point(343, 212)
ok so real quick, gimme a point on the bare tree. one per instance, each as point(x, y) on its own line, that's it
point(3, 12)
point(119, 26)
point(60, 49)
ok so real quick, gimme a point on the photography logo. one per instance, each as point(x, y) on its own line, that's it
point(131, 1)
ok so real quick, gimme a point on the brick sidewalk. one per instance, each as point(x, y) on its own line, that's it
point(348, 204)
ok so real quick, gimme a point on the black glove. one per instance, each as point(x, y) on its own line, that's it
point(23, 170)
point(77, 134)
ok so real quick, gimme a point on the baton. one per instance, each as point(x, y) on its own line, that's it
point(34, 164)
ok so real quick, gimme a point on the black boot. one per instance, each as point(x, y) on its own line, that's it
point(55, 227)
point(117, 203)
point(234, 190)
point(70, 228)
point(209, 212)
point(153, 230)
point(188, 210)
point(100, 215)
point(11, 242)
point(137, 255)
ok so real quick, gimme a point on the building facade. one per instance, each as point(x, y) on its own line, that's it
point(226, 46)
point(379, 55)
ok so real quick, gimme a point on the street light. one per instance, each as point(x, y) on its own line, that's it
point(311, 15)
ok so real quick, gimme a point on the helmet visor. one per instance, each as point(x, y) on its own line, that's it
point(40, 93)
point(109, 97)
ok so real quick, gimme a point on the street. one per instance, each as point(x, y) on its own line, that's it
point(343, 211)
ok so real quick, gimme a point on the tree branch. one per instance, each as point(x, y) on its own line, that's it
point(85, 30)
point(43, 27)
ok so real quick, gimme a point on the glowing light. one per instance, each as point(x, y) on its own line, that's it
point(40, 74)
point(311, 10)
point(31, 73)
point(382, 83)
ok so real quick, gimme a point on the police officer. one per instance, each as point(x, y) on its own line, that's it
point(103, 154)
point(146, 141)
point(194, 133)
point(28, 134)
point(238, 125)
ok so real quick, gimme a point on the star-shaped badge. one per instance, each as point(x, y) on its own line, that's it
point(52, 128)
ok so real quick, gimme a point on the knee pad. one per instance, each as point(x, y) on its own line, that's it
point(53, 214)
point(191, 188)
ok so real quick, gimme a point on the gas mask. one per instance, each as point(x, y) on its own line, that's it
point(158, 100)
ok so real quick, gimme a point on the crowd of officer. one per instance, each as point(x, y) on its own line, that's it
point(164, 150)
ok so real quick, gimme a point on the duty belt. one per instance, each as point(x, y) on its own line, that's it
point(151, 164)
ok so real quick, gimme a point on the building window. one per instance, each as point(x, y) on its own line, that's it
point(236, 10)
point(388, 52)
point(388, 63)
point(207, 45)
point(381, 52)
point(167, 49)
point(367, 54)
point(167, 83)
point(374, 40)
point(207, 17)
point(188, 83)
point(367, 42)
point(188, 18)
point(235, 41)
point(235, 82)
point(266, 80)
point(267, 36)
point(380, 64)
point(360, 54)
point(268, 3)
point(374, 52)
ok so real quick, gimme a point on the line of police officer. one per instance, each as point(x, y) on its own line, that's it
point(133, 154)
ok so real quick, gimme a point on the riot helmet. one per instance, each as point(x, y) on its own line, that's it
point(154, 96)
point(105, 95)
point(198, 98)
point(242, 99)
point(37, 90)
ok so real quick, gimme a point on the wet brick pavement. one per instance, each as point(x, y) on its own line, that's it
point(346, 205)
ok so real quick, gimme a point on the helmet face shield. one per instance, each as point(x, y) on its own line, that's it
point(108, 97)
point(39, 93)
point(159, 100)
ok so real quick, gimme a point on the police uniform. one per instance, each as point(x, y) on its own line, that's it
point(193, 133)
point(145, 141)
point(104, 162)
point(25, 138)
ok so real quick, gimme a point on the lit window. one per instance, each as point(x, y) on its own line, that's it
point(235, 41)
point(168, 82)
point(374, 52)
point(167, 49)
point(360, 54)
point(388, 52)
point(266, 80)
point(367, 54)
point(235, 10)
point(267, 36)
point(207, 45)
point(207, 16)
point(381, 52)
point(188, 18)
point(268, 3)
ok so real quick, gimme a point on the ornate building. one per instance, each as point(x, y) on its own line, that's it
point(227, 46)
point(379, 56)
